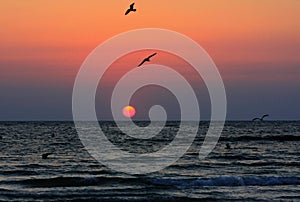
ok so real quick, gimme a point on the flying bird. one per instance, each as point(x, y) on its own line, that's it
point(147, 59)
point(260, 119)
point(45, 155)
point(130, 9)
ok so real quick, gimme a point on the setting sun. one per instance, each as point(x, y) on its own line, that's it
point(129, 111)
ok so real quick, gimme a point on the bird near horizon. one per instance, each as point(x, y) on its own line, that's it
point(147, 59)
point(130, 9)
point(260, 119)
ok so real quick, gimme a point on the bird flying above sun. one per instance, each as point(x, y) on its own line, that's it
point(129, 111)
point(147, 59)
point(130, 9)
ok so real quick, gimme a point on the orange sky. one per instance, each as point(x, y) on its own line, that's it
point(60, 34)
point(253, 42)
point(230, 30)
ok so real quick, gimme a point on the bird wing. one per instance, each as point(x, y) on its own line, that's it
point(131, 6)
point(150, 56)
point(255, 119)
point(264, 116)
point(128, 11)
point(142, 62)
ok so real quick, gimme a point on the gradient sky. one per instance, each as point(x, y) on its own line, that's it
point(254, 43)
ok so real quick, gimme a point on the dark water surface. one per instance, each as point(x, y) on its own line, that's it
point(263, 164)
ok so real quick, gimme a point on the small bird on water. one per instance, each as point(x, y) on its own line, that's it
point(147, 59)
point(130, 9)
point(45, 155)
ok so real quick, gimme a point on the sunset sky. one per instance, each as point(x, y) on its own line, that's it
point(255, 45)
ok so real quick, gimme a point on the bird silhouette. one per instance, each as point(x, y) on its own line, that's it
point(45, 155)
point(260, 119)
point(130, 9)
point(147, 59)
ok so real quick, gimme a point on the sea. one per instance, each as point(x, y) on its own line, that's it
point(260, 163)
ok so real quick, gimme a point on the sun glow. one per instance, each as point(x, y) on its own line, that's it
point(129, 111)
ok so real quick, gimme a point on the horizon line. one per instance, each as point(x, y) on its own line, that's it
point(67, 120)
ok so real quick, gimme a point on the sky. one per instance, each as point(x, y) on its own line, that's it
point(254, 43)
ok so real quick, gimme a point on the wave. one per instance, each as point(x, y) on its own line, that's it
point(72, 181)
point(228, 181)
point(263, 137)
point(18, 172)
point(263, 163)
point(242, 156)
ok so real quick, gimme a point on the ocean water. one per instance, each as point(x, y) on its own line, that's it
point(262, 164)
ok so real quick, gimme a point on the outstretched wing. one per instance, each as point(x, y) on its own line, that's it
point(255, 119)
point(265, 115)
point(131, 6)
point(128, 11)
point(150, 56)
point(142, 62)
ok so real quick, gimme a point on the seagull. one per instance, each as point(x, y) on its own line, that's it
point(260, 119)
point(147, 59)
point(130, 9)
point(45, 155)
